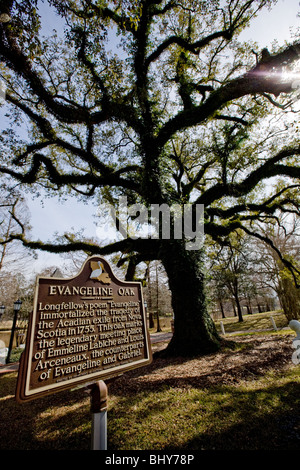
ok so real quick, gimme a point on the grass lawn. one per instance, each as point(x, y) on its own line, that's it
point(242, 399)
point(254, 322)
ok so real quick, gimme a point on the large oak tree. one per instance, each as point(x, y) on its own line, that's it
point(158, 101)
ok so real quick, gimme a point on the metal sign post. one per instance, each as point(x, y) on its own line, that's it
point(99, 415)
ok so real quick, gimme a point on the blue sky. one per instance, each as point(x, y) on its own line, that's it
point(275, 24)
point(53, 216)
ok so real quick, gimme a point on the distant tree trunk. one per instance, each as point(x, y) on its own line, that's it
point(239, 309)
point(158, 328)
point(235, 292)
point(249, 307)
point(289, 297)
point(234, 309)
point(222, 308)
point(151, 321)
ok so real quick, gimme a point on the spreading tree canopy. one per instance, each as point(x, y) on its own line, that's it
point(158, 102)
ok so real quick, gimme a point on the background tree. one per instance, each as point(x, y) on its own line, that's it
point(157, 293)
point(284, 233)
point(159, 102)
point(15, 260)
point(12, 207)
point(217, 292)
point(232, 269)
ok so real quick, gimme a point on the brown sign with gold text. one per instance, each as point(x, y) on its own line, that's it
point(87, 328)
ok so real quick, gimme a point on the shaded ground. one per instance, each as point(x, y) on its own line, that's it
point(223, 401)
point(239, 410)
point(254, 357)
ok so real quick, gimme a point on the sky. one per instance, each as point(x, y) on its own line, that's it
point(53, 216)
point(275, 24)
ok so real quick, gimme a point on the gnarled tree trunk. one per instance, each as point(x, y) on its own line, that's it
point(194, 330)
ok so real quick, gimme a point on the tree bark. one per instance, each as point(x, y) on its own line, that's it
point(194, 330)
point(151, 321)
point(239, 309)
point(222, 308)
point(158, 329)
point(234, 287)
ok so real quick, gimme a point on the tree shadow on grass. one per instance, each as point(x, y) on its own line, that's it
point(264, 417)
point(257, 429)
point(62, 421)
point(57, 422)
point(227, 418)
point(254, 359)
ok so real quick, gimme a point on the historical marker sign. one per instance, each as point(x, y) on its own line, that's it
point(90, 327)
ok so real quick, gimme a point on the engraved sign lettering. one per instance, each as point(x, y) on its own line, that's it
point(86, 328)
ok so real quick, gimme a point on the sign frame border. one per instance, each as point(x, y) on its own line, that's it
point(22, 393)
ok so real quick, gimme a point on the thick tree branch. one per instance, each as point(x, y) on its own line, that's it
point(13, 56)
point(290, 266)
point(267, 170)
point(42, 123)
point(55, 177)
point(127, 245)
point(235, 21)
point(257, 80)
point(269, 207)
point(220, 235)
point(238, 120)
point(76, 113)
point(120, 20)
point(187, 188)
point(194, 47)
point(49, 133)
